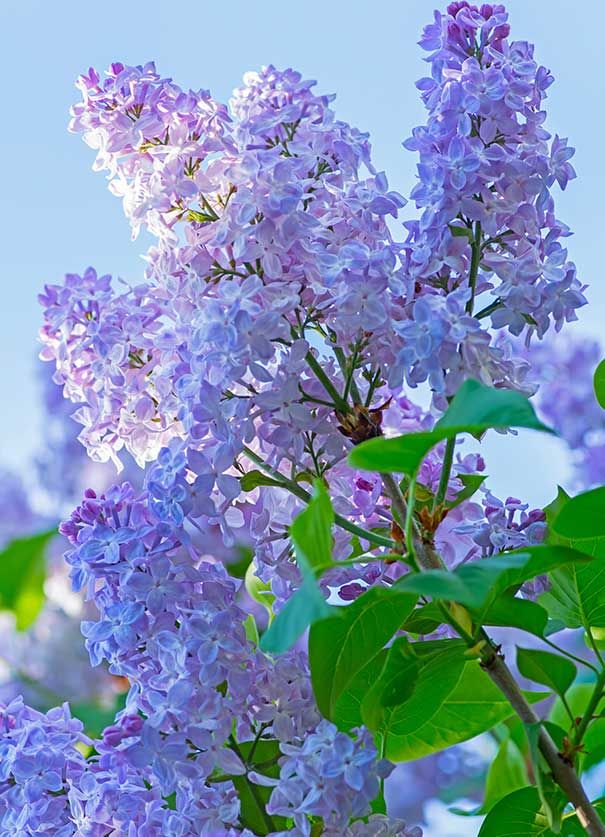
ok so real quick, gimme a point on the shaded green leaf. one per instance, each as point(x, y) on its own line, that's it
point(22, 576)
point(552, 800)
point(305, 606)
point(599, 383)
point(311, 531)
point(96, 717)
point(546, 668)
point(311, 534)
point(424, 620)
point(239, 567)
point(254, 798)
point(395, 684)
point(471, 484)
point(342, 644)
point(347, 711)
point(520, 815)
point(474, 409)
point(452, 700)
point(511, 612)
point(506, 774)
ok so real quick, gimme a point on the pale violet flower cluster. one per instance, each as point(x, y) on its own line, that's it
point(169, 622)
point(565, 365)
point(330, 775)
point(279, 322)
point(486, 171)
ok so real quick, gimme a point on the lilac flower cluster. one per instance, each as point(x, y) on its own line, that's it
point(275, 290)
point(565, 366)
point(330, 775)
point(508, 524)
point(39, 761)
point(47, 786)
point(279, 323)
point(170, 623)
point(487, 166)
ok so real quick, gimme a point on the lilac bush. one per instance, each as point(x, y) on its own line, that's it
point(297, 586)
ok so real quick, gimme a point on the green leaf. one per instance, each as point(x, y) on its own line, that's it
point(599, 383)
point(511, 612)
point(577, 595)
point(22, 576)
point(551, 797)
point(472, 483)
point(343, 644)
point(255, 479)
point(452, 700)
point(474, 409)
point(305, 606)
point(582, 516)
point(311, 531)
point(395, 684)
point(477, 585)
point(461, 232)
point(520, 815)
point(259, 591)
point(506, 774)
point(311, 534)
point(253, 797)
point(595, 547)
point(480, 407)
point(347, 711)
point(424, 620)
point(239, 567)
point(96, 717)
point(552, 670)
point(251, 629)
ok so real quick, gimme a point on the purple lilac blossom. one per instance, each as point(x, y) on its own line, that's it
point(274, 256)
point(565, 366)
point(169, 622)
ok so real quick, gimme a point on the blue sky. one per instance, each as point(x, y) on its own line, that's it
point(57, 215)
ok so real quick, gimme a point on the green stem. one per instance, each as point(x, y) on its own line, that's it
point(597, 694)
point(595, 648)
point(474, 268)
point(329, 387)
point(294, 488)
point(409, 521)
point(489, 309)
point(571, 656)
point(351, 384)
point(446, 469)
point(253, 789)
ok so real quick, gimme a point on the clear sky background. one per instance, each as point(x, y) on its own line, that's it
point(57, 215)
